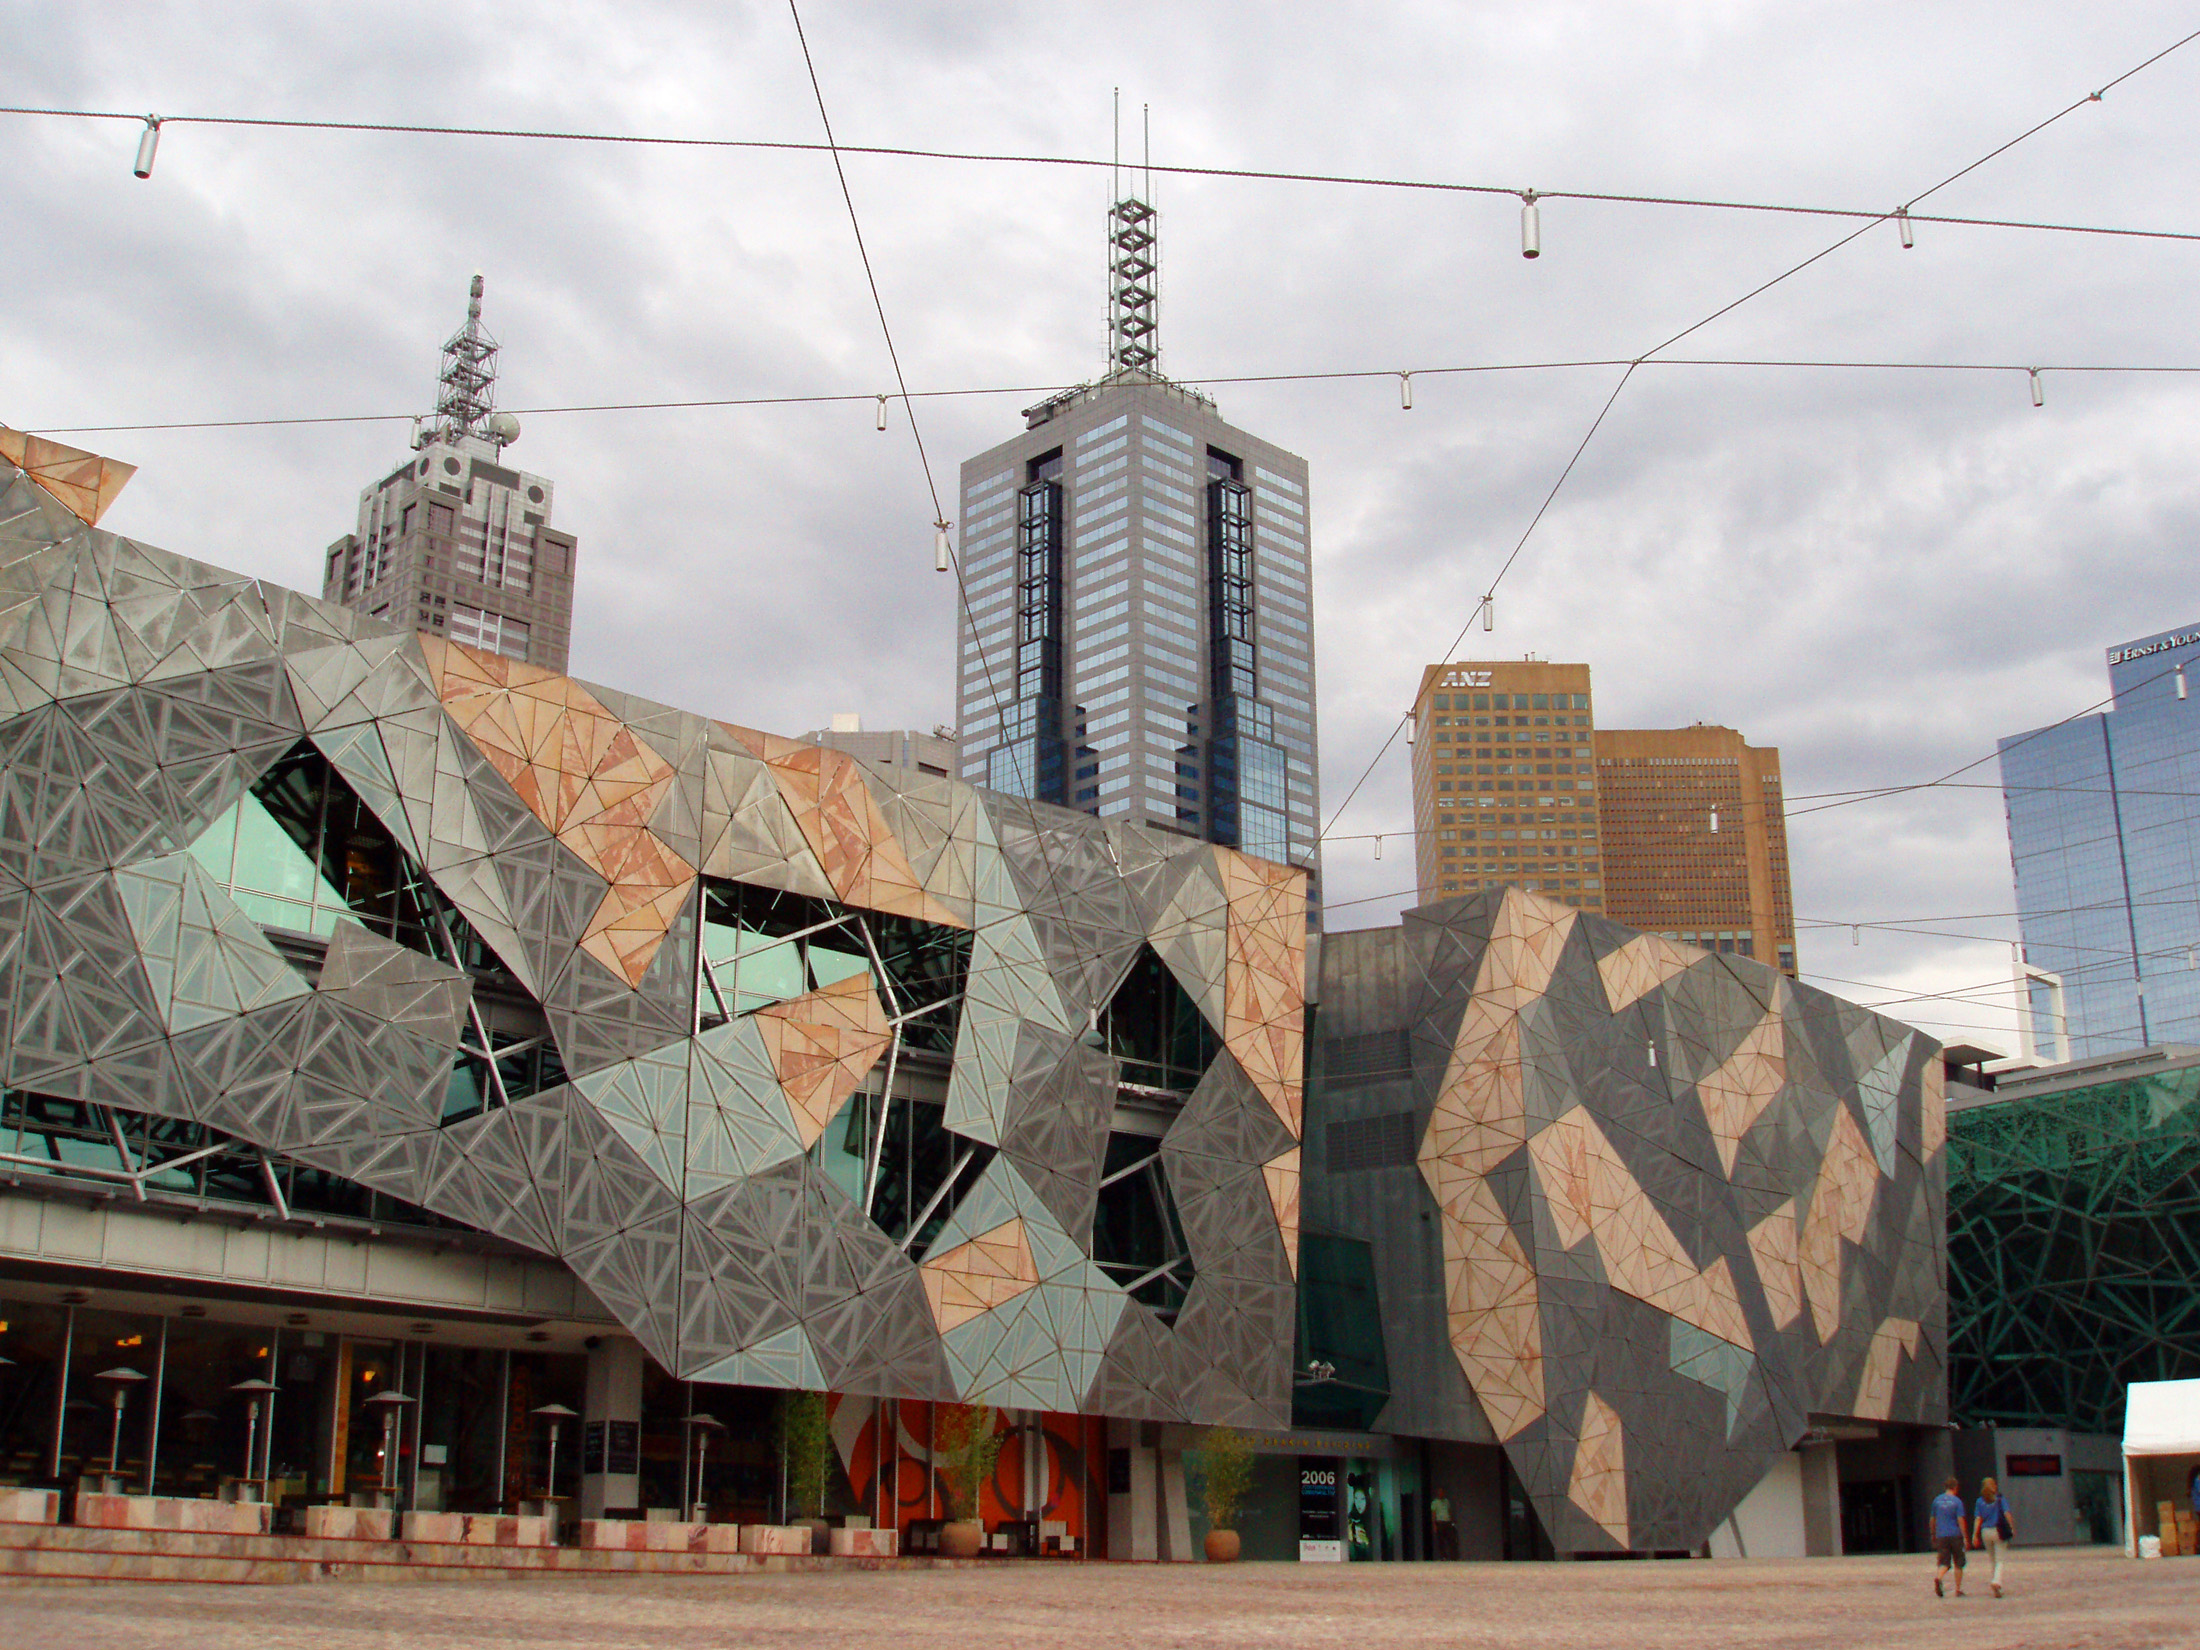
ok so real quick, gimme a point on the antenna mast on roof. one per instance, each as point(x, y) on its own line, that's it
point(469, 375)
point(1134, 336)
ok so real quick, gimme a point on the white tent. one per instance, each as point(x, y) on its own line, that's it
point(2161, 1447)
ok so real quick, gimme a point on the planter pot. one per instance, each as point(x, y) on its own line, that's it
point(962, 1539)
point(1222, 1546)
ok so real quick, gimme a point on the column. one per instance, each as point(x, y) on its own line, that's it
point(611, 1427)
point(1821, 1500)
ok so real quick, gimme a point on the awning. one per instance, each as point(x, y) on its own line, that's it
point(2162, 1418)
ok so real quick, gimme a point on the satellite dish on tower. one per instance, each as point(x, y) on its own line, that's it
point(503, 428)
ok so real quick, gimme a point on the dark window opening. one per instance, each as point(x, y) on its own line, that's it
point(1137, 1237)
point(1155, 1029)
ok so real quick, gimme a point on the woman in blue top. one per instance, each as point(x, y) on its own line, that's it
point(1989, 1520)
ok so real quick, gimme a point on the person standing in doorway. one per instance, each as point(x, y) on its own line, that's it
point(1951, 1531)
point(1447, 1535)
point(1992, 1530)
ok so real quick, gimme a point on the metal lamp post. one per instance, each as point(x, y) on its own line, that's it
point(702, 1426)
point(390, 1401)
point(554, 1414)
point(123, 1377)
point(252, 1388)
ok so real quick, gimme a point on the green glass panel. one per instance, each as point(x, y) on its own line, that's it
point(829, 967)
point(269, 862)
point(216, 847)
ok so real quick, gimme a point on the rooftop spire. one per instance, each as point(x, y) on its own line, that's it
point(1134, 297)
point(469, 375)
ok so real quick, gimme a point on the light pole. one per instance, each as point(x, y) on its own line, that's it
point(554, 1414)
point(702, 1426)
point(390, 1400)
point(124, 1377)
point(252, 1388)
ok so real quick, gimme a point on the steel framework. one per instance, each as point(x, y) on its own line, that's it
point(2073, 1245)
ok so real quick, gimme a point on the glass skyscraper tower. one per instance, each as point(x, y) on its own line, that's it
point(2104, 832)
point(1137, 638)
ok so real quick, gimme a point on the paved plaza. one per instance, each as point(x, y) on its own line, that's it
point(2095, 1599)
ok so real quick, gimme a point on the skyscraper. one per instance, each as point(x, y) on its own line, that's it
point(2104, 838)
point(452, 541)
point(1676, 831)
point(1503, 781)
point(1137, 638)
point(1695, 839)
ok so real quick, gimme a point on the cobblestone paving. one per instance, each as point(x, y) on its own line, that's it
point(2102, 1601)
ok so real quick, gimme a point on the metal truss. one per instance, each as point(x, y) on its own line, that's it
point(2073, 1243)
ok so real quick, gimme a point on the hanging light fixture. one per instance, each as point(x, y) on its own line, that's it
point(1489, 612)
point(2039, 393)
point(942, 550)
point(1714, 822)
point(1856, 936)
point(1531, 226)
point(148, 144)
point(1405, 392)
point(2180, 681)
point(882, 412)
point(1378, 847)
point(1651, 1045)
point(1902, 222)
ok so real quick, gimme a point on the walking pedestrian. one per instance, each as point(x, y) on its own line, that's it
point(1951, 1530)
point(1992, 1529)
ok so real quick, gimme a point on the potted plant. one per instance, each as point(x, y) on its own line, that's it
point(968, 1449)
point(1224, 1463)
point(805, 1444)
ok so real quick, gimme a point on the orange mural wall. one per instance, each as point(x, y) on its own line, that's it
point(898, 1485)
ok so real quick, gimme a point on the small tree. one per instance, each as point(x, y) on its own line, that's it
point(968, 1450)
point(805, 1438)
point(1224, 1462)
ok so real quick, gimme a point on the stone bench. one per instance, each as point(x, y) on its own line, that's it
point(30, 1506)
point(163, 1512)
point(777, 1540)
point(479, 1529)
point(634, 1535)
point(864, 1543)
point(351, 1523)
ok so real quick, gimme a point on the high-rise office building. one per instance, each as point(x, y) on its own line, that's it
point(1680, 831)
point(1695, 839)
point(1137, 638)
point(1504, 781)
point(2104, 836)
point(452, 541)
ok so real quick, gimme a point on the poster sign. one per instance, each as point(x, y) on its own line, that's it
point(611, 1446)
point(2035, 1466)
point(1321, 1539)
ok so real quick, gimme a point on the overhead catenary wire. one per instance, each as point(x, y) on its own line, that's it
point(853, 397)
point(1486, 604)
point(1249, 174)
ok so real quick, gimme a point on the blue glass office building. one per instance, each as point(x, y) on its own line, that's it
point(2103, 833)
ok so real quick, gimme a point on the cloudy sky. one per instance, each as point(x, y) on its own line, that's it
point(1877, 571)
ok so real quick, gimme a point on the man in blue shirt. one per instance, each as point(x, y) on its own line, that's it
point(1950, 1535)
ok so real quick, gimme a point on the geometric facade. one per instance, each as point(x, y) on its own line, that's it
point(2073, 1240)
point(808, 1071)
point(1640, 1213)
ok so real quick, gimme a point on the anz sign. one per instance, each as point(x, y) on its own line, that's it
point(1464, 678)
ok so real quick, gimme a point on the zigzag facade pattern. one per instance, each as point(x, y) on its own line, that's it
point(573, 833)
point(1685, 1210)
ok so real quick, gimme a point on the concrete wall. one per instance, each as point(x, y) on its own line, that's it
point(153, 1242)
point(2044, 1509)
point(1770, 1522)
